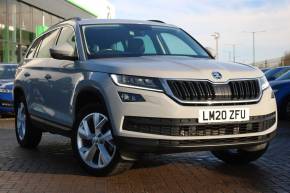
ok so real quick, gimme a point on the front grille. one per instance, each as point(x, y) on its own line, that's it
point(206, 91)
point(191, 127)
point(7, 104)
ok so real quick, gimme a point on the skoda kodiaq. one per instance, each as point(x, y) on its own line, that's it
point(122, 88)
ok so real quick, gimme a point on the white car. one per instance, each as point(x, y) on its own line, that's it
point(121, 88)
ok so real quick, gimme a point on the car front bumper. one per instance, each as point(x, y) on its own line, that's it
point(6, 103)
point(158, 105)
point(142, 145)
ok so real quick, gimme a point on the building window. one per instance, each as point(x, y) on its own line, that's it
point(2, 18)
point(18, 25)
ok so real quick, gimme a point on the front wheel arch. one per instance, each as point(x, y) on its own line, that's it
point(87, 95)
point(18, 93)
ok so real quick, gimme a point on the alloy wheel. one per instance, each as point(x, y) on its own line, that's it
point(21, 121)
point(95, 141)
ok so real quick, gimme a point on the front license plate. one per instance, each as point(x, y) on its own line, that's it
point(223, 115)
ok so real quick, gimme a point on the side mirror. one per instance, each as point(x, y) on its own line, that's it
point(63, 52)
point(211, 51)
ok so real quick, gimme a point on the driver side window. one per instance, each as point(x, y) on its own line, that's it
point(48, 41)
point(67, 36)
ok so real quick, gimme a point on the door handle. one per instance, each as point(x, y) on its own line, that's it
point(48, 76)
point(26, 74)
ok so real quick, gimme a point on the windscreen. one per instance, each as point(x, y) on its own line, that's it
point(285, 76)
point(133, 40)
point(276, 73)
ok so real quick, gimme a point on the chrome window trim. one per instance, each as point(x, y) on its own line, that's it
point(74, 32)
point(168, 91)
point(50, 30)
point(41, 37)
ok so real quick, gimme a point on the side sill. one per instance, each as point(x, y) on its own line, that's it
point(51, 127)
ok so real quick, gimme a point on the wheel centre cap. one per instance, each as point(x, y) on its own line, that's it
point(95, 139)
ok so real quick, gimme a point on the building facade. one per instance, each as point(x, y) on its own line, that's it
point(21, 21)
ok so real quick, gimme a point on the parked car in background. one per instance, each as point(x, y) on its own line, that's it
point(275, 73)
point(7, 74)
point(281, 88)
point(265, 69)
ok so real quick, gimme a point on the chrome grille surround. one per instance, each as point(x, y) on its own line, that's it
point(210, 101)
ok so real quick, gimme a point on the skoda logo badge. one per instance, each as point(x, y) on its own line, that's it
point(216, 75)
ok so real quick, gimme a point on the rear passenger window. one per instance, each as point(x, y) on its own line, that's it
point(47, 43)
point(32, 50)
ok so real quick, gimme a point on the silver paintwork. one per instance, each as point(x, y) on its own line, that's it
point(54, 100)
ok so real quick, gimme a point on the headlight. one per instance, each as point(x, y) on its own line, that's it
point(264, 83)
point(3, 90)
point(139, 82)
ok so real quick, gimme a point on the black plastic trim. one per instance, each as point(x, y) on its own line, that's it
point(142, 145)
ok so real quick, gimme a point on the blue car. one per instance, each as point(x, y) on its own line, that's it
point(281, 88)
point(7, 74)
point(275, 73)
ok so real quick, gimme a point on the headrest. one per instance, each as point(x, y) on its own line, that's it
point(136, 46)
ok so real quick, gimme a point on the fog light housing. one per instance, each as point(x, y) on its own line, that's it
point(131, 97)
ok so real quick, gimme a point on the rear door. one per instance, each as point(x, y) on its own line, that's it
point(38, 79)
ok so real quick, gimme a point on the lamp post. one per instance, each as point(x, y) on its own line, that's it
point(216, 36)
point(233, 51)
point(254, 42)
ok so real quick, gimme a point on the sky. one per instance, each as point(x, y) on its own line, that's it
point(231, 18)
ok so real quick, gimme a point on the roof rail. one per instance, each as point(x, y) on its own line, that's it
point(158, 21)
point(73, 18)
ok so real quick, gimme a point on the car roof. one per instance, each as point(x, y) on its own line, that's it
point(282, 67)
point(6, 64)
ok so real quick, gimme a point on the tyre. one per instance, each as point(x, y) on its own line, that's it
point(26, 134)
point(239, 156)
point(93, 143)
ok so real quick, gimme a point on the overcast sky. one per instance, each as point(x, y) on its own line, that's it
point(228, 17)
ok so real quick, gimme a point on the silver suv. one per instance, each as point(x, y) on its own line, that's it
point(122, 88)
